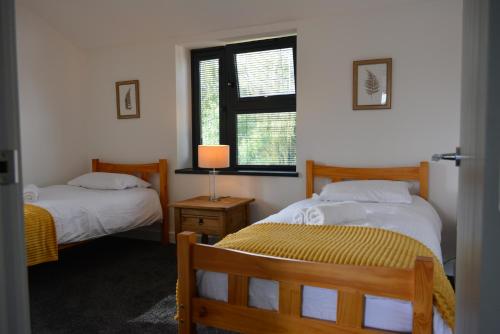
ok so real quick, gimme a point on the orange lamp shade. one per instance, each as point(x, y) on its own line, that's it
point(213, 156)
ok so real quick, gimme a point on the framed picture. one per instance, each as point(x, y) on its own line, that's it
point(127, 99)
point(372, 84)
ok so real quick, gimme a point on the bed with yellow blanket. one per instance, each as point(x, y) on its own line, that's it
point(381, 277)
point(63, 216)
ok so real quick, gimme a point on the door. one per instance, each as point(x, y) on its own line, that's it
point(478, 241)
point(14, 303)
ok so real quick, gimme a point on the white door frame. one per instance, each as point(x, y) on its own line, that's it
point(14, 300)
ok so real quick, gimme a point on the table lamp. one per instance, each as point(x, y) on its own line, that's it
point(213, 156)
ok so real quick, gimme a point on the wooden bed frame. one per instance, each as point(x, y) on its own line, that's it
point(144, 171)
point(351, 282)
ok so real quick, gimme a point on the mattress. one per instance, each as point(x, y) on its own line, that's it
point(418, 220)
point(82, 214)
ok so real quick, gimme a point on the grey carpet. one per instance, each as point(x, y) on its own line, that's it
point(111, 285)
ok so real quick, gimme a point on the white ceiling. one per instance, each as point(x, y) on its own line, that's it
point(97, 23)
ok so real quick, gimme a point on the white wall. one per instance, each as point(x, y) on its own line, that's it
point(53, 102)
point(424, 40)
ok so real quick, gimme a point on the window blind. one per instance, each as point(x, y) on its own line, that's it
point(265, 73)
point(266, 139)
point(209, 102)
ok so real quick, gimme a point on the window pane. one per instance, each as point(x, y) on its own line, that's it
point(266, 139)
point(209, 101)
point(265, 73)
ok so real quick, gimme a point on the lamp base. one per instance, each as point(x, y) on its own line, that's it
point(212, 197)
point(211, 186)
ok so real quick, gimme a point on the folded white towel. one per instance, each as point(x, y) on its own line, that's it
point(30, 193)
point(335, 213)
point(300, 216)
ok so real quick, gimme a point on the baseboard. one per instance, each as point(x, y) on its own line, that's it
point(146, 233)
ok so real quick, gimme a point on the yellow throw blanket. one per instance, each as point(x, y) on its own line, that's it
point(40, 235)
point(350, 245)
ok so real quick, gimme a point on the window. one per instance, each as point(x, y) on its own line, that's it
point(244, 96)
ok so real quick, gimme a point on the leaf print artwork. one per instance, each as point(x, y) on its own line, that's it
point(372, 85)
point(128, 102)
point(127, 99)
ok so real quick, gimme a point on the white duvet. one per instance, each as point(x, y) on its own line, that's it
point(82, 214)
point(418, 220)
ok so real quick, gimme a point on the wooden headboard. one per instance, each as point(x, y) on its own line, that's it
point(416, 173)
point(144, 171)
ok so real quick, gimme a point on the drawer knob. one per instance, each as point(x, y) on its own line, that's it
point(200, 221)
point(202, 312)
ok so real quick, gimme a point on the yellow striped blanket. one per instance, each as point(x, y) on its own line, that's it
point(40, 235)
point(350, 245)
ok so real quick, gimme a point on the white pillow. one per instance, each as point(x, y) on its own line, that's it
point(378, 191)
point(108, 181)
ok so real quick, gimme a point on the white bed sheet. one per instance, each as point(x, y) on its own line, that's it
point(82, 214)
point(418, 220)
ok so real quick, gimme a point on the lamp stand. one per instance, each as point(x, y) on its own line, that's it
point(211, 184)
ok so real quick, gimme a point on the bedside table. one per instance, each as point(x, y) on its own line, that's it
point(205, 217)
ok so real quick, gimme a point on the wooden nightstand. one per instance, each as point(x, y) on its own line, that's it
point(219, 218)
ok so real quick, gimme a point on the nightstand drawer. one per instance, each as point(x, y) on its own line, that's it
point(216, 218)
point(201, 213)
point(202, 224)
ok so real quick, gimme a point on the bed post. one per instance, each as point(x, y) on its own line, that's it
point(95, 165)
point(309, 178)
point(163, 170)
point(423, 176)
point(422, 304)
point(186, 282)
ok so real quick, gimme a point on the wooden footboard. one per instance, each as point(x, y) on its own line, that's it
point(351, 282)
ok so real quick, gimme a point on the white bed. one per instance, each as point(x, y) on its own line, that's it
point(418, 220)
point(82, 214)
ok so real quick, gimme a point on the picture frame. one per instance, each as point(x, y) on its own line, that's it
point(372, 84)
point(127, 99)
